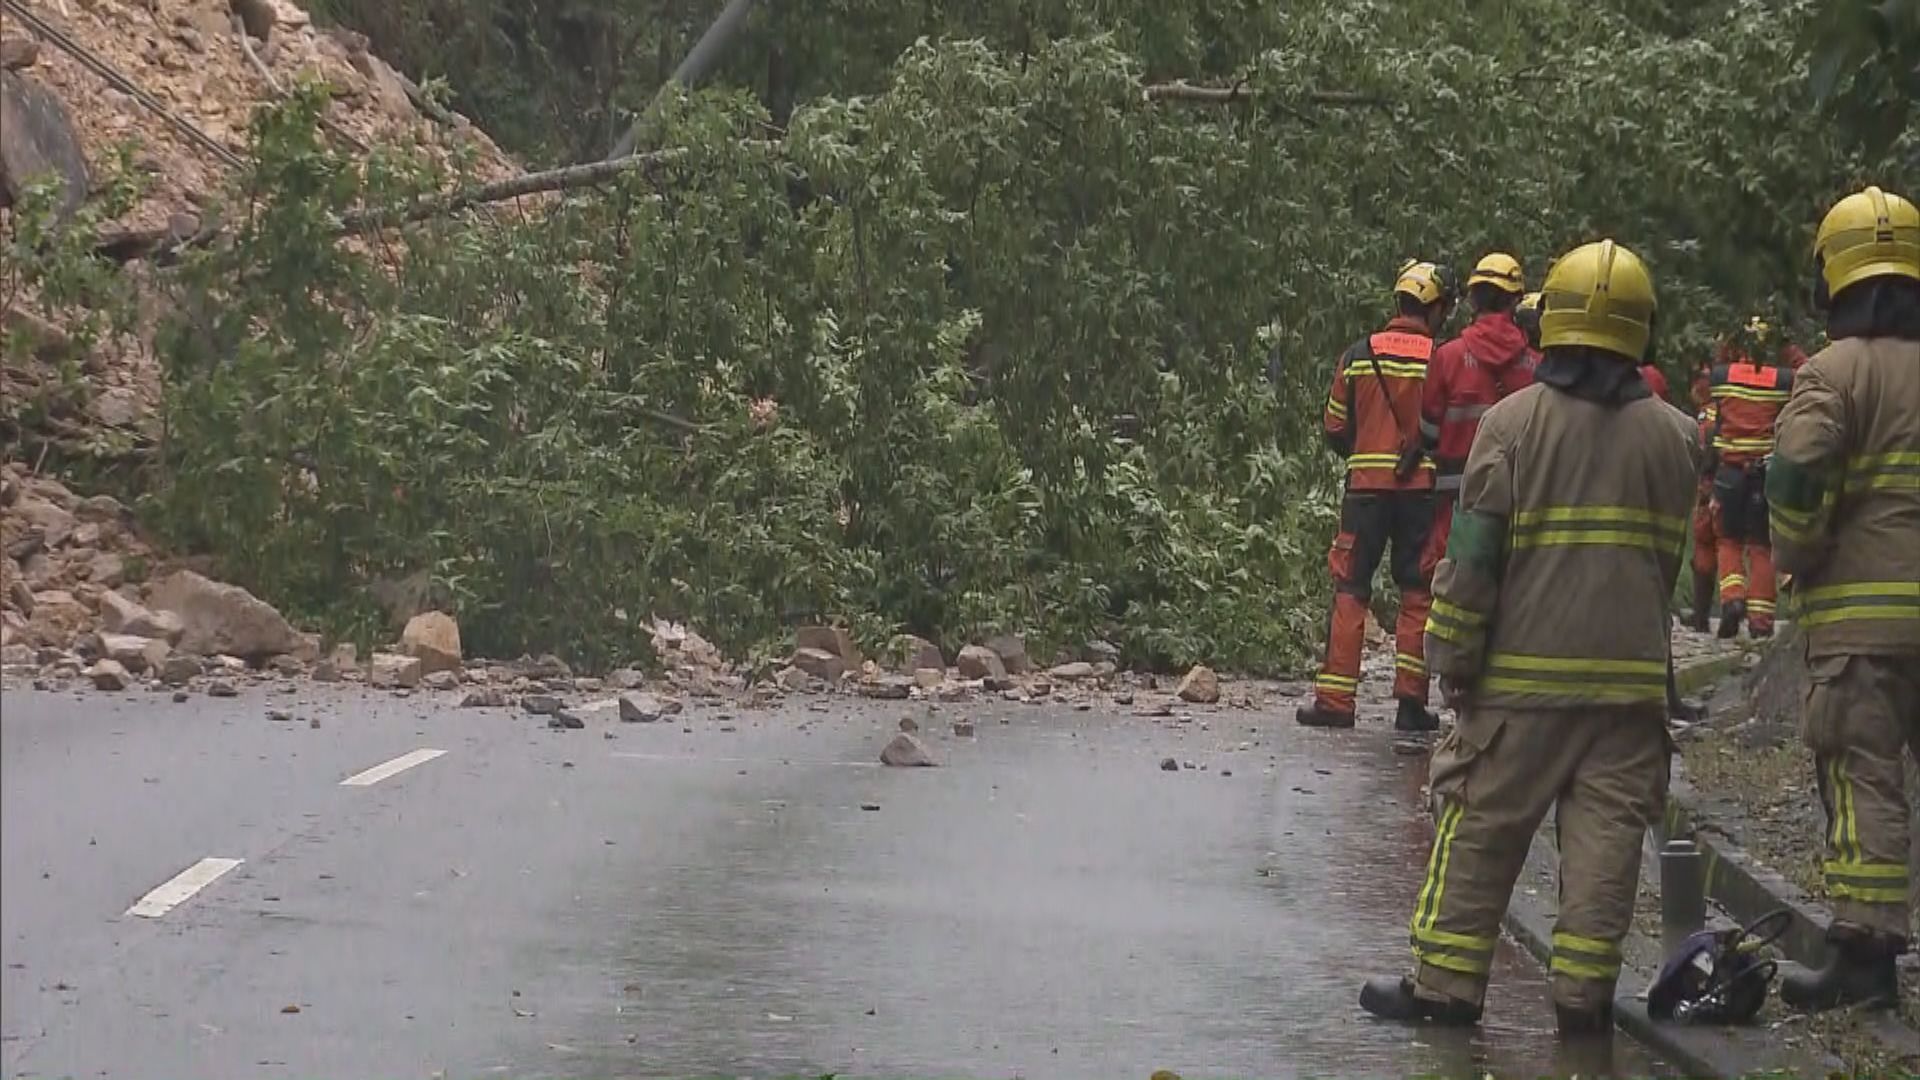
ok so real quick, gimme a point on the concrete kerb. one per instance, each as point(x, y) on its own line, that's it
point(1697, 1051)
point(1745, 888)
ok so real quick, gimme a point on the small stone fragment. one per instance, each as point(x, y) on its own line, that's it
point(393, 670)
point(1012, 651)
point(819, 663)
point(566, 720)
point(441, 680)
point(793, 680)
point(1169, 765)
point(486, 697)
point(999, 684)
point(963, 728)
point(221, 688)
point(180, 696)
point(1079, 669)
point(909, 725)
point(927, 678)
point(1124, 697)
point(887, 688)
point(540, 704)
point(178, 668)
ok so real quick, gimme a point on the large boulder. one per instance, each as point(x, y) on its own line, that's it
point(434, 638)
point(121, 615)
point(1012, 651)
point(1200, 686)
point(220, 618)
point(980, 662)
point(819, 663)
point(834, 640)
point(37, 140)
point(917, 653)
point(58, 617)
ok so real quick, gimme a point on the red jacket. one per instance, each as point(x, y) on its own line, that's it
point(1489, 360)
point(1656, 381)
point(1373, 409)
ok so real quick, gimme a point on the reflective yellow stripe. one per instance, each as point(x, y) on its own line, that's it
point(1607, 693)
point(1732, 580)
point(1336, 407)
point(1453, 612)
point(1398, 368)
point(1891, 457)
point(1760, 605)
point(1336, 682)
point(1449, 939)
point(1750, 393)
point(1646, 541)
point(1409, 662)
point(1580, 969)
point(1591, 946)
point(1858, 601)
point(1724, 442)
point(1380, 461)
point(1845, 830)
point(1526, 662)
point(1550, 514)
point(1452, 963)
point(1867, 895)
point(1867, 869)
point(1428, 907)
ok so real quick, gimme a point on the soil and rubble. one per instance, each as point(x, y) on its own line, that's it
point(212, 64)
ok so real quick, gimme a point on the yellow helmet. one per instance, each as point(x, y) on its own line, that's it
point(1424, 281)
point(1500, 270)
point(1868, 234)
point(1601, 295)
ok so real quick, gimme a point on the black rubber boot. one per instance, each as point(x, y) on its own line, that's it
point(1393, 999)
point(1414, 716)
point(1583, 1023)
point(1860, 970)
point(1315, 716)
point(1702, 601)
point(1731, 617)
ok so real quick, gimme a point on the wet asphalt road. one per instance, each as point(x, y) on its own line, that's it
point(683, 899)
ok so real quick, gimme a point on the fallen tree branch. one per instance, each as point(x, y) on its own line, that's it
point(1241, 94)
point(569, 178)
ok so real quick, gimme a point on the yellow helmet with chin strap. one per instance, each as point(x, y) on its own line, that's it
point(1868, 234)
point(1426, 282)
point(1598, 295)
point(1500, 270)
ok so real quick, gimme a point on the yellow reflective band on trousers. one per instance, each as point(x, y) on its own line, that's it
point(1743, 446)
point(1869, 883)
point(1612, 526)
point(1451, 622)
point(1860, 601)
point(1407, 662)
point(1356, 462)
point(1585, 957)
point(1442, 949)
point(1336, 682)
point(1607, 681)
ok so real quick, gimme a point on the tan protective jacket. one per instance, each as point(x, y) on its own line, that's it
point(1571, 528)
point(1844, 486)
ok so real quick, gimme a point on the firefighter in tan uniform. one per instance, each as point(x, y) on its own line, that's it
point(1844, 487)
point(1549, 632)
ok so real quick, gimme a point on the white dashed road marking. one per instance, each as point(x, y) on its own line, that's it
point(391, 768)
point(179, 890)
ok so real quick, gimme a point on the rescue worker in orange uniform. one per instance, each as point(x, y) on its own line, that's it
point(1748, 397)
point(1844, 493)
point(1706, 536)
point(1489, 360)
point(1372, 418)
point(1549, 632)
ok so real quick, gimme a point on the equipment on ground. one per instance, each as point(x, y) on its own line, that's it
point(1719, 976)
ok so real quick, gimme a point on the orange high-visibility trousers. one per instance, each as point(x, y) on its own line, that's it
point(1369, 522)
point(1755, 585)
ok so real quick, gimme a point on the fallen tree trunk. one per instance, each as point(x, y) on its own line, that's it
point(592, 174)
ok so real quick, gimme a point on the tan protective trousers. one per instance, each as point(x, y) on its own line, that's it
point(1863, 716)
point(1603, 770)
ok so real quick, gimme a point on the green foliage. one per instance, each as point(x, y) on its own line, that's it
point(1046, 356)
point(47, 263)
